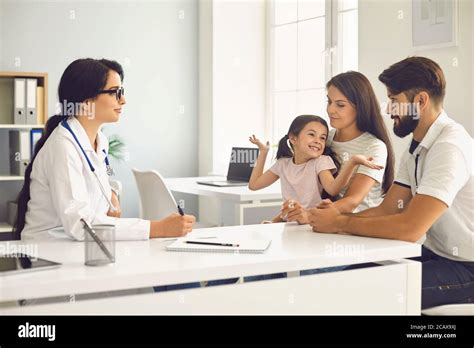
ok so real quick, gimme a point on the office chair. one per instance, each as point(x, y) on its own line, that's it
point(156, 200)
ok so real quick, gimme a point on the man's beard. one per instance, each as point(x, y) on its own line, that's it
point(405, 125)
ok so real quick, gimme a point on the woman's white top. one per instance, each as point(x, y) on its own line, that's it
point(368, 145)
point(63, 189)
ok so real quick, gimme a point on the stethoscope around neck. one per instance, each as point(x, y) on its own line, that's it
point(110, 170)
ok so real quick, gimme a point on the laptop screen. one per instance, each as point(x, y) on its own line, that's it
point(242, 161)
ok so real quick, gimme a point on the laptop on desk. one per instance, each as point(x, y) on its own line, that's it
point(242, 161)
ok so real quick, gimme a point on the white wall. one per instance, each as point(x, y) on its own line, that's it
point(156, 42)
point(232, 78)
point(472, 59)
point(232, 83)
point(208, 207)
point(206, 96)
point(385, 39)
point(238, 76)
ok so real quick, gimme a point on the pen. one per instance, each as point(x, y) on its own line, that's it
point(210, 243)
point(172, 239)
point(181, 212)
point(97, 240)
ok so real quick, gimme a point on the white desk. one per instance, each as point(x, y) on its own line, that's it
point(234, 202)
point(394, 288)
point(235, 194)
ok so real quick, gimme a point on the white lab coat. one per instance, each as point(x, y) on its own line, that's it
point(63, 189)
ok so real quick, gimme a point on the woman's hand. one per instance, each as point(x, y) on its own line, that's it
point(173, 225)
point(293, 211)
point(365, 161)
point(262, 147)
point(115, 202)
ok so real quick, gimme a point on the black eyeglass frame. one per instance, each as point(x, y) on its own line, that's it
point(119, 92)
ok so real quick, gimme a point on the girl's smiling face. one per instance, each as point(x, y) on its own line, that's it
point(310, 142)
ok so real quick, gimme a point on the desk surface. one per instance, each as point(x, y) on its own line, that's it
point(238, 194)
point(146, 263)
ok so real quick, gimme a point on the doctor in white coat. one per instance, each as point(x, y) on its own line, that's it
point(67, 179)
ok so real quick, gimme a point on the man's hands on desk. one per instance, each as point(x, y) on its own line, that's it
point(325, 218)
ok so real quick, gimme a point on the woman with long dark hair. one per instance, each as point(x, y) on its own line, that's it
point(67, 178)
point(355, 115)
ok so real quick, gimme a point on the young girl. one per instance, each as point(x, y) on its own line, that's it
point(305, 165)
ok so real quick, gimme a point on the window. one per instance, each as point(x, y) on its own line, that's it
point(310, 41)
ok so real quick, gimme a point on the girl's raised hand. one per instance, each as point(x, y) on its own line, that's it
point(262, 147)
point(365, 161)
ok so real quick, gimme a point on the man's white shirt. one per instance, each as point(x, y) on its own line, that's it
point(442, 167)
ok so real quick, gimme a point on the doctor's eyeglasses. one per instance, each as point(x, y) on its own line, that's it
point(119, 92)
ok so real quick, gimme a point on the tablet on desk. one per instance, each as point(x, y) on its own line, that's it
point(21, 263)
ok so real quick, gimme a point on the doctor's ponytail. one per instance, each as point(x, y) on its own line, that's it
point(24, 195)
point(82, 80)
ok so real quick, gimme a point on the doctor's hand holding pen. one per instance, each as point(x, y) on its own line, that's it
point(174, 225)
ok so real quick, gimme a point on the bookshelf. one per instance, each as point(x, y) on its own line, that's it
point(10, 185)
point(11, 178)
point(20, 126)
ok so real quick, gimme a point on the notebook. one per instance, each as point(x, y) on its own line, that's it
point(245, 246)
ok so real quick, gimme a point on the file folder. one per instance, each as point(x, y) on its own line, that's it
point(12, 208)
point(40, 105)
point(7, 109)
point(31, 85)
point(20, 151)
point(19, 90)
point(35, 136)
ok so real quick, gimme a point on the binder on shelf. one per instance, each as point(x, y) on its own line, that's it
point(12, 208)
point(31, 85)
point(40, 105)
point(19, 116)
point(7, 109)
point(35, 135)
point(20, 151)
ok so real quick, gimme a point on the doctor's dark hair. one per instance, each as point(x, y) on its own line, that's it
point(82, 80)
point(285, 148)
point(358, 90)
